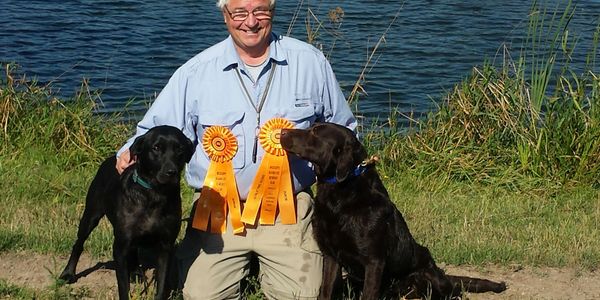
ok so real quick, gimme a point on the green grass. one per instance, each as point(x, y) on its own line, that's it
point(477, 221)
point(505, 172)
point(54, 292)
point(476, 225)
point(11, 291)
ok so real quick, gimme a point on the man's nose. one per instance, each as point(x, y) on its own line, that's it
point(251, 20)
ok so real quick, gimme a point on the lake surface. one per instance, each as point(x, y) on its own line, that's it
point(129, 49)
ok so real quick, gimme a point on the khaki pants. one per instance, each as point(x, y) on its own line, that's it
point(213, 265)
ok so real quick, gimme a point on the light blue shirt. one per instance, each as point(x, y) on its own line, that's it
point(206, 91)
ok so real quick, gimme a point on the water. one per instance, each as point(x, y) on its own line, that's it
point(129, 48)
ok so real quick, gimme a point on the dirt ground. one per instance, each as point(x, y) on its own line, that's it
point(36, 271)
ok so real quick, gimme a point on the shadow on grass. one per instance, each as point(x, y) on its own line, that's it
point(108, 265)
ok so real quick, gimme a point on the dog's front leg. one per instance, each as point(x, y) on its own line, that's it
point(120, 254)
point(373, 274)
point(160, 274)
point(331, 274)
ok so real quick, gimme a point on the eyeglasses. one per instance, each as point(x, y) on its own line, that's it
point(259, 13)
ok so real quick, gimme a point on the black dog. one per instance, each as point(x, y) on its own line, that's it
point(357, 226)
point(143, 205)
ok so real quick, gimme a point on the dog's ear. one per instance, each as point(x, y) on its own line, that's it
point(348, 158)
point(189, 150)
point(137, 147)
point(345, 163)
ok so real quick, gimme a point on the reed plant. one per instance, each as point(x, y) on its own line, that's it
point(512, 154)
point(529, 122)
point(33, 117)
point(49, 148)
point(505, 171)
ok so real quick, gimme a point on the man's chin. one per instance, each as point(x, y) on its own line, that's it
point(251, 44)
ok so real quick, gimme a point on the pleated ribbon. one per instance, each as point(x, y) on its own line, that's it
point(219, 192)
point(272, 186)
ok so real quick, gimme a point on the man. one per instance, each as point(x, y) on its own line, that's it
point(241, 83)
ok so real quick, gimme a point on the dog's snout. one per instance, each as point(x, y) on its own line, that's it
point(286, 139)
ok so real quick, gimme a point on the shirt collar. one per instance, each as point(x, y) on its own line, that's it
point(231, 59)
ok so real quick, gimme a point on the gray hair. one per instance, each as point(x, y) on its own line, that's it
point(222, 3)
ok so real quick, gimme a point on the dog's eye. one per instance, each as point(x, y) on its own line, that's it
point(156, 148)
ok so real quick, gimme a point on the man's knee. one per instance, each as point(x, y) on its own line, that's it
point(298, 277)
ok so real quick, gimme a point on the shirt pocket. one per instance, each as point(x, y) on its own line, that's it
point(302, 100)
point(301, 117)
point(231, 120)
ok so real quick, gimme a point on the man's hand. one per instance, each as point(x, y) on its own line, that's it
point(123, 161)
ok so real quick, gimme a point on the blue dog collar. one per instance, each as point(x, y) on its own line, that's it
point(361, 168)
point(137, 179)
point(357, 172)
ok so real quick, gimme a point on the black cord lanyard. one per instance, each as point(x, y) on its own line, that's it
point(260, 104)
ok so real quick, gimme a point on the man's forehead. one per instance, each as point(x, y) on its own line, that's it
point(248, 3)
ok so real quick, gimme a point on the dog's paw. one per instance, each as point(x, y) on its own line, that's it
point(67, 277)
point(501, 287)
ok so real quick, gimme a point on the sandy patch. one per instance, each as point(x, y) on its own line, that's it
point(37, 271)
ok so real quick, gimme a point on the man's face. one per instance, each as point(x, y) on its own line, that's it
point(252, 34)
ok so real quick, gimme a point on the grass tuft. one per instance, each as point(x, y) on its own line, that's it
point(505, 172)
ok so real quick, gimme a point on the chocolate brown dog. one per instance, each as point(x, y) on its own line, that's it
point(359, 228)
point(143, 205)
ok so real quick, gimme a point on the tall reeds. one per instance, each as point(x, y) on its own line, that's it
point(521, 123)
point(33, 117)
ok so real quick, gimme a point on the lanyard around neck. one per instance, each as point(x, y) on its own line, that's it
point(258, 108)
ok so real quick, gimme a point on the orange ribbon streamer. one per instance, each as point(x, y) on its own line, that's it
point(272, 185)
point(219, 191)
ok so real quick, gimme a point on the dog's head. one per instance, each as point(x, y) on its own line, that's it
point(161, 154)
point(333, 149)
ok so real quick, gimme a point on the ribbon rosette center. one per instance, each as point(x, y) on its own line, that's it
point(219, 143)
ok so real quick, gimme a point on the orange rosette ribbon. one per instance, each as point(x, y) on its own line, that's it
point(272, 185)
point(219, 191)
